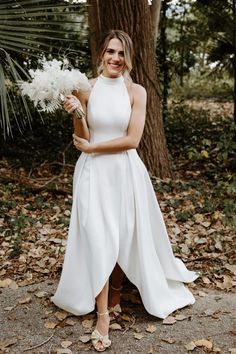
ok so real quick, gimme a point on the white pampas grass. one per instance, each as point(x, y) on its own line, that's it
point(51, 83)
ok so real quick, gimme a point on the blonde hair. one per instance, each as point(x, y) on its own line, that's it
point(128, 50)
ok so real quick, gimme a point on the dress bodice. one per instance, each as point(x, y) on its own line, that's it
point(109, 109)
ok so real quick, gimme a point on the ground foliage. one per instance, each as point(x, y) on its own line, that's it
point(199, 205)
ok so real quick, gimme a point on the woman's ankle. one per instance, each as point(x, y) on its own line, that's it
point(114, 296)
point(103, 321)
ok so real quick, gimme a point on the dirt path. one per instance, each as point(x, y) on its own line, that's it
point(26, 313)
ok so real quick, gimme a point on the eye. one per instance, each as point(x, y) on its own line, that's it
point(121, 54)
point(109, 50)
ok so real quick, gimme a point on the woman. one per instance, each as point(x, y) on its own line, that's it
point(116, 222)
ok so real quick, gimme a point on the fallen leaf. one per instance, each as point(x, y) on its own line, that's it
point(25, 300)
point(190, 346)
point(227, 283)
point(206, 280)
point(84, 339)
point(138, 336)
point(70, 322)
point(206, 224)
point(137, 330)
point(185, 249)
point(50, 324)
point(202, 293)
point(151, 328)
point(5, 283)
point(7, 343)
point(180, 317)
point(201, 241)
point(151, 350)
point(231, 268)
point(87, 324)
point(13, 285)
point(67, 212)
point(204, 153)
point(198, 218)
point(41, 294)
point(115, 326)
point(9, 308)
point(204, 343)
point(63, 351)
point(232, 350)
point(218, 245)
point(66, 344)
point(168, 340)
point(61, 315)
point(126, 318)
point(2, 272)
point(169, 320)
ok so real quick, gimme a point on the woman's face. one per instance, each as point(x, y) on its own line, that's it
point(113, 59)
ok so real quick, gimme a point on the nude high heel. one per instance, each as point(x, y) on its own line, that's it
point(96, 337)
point(115, 311)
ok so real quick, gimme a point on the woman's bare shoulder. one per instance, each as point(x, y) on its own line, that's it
point(138, 90)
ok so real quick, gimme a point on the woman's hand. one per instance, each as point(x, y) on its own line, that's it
point(71, 103)
point(82, 144)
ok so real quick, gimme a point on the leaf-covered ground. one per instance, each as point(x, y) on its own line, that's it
point(198, 206)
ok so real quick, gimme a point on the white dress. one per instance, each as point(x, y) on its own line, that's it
point(116, 218)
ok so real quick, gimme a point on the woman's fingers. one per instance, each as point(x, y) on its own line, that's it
point(80, 143)
point(71, 103)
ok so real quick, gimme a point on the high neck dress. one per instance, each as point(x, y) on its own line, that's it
point(116, 218)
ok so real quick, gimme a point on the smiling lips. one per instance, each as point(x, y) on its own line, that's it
point(114, 66)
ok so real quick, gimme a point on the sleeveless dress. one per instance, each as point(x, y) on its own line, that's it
point(116, 218)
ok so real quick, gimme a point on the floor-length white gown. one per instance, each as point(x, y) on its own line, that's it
point(116, 218)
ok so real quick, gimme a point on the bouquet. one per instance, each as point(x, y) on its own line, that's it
point(51, 83)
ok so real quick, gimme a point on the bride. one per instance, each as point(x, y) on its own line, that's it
point(116, 224)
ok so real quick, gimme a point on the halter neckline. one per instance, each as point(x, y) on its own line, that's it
point(111, 80)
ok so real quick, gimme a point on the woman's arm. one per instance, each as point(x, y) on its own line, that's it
point(134, 132)
point(80, 125)
point(78, 100)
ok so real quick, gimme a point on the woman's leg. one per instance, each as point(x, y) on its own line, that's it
point(103, 318)
point(116, 285)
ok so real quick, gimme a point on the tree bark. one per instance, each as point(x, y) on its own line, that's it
point(163, 59)
point(95, 31)
point(137, 19)
point(234, 56)
point(155, 16)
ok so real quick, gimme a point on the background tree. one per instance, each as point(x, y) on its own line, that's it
point(139, 20)
point(221, 20)
point(162, 56)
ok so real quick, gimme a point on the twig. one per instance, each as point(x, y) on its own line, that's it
point(40, 344)
point(129, 327)
point(49, 352)
point(64, 153)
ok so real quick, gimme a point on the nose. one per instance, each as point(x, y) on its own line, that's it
point(115, 56)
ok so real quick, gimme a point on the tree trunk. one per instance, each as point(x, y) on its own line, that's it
point(163, 59)
point(155, 17)
point(182, 50)
point(137, 18)
point(234, 56)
